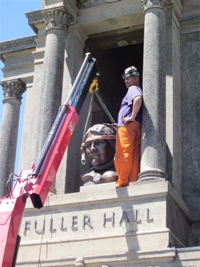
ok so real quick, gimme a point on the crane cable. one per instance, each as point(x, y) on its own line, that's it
point(94, 87)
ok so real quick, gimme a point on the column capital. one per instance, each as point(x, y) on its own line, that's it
point(154, 3)
point(57, 18)
point(13, 89)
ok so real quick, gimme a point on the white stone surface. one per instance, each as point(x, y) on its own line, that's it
point(111, 17)
point(107, 224)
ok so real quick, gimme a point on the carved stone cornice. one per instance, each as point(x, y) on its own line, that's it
point(57, 19)
point(17, 44)
point(13, 89)
point(154, 4)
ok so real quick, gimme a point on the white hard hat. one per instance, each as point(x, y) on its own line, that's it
point(131, 71)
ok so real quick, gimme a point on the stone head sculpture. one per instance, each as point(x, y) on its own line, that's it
point(99, 147)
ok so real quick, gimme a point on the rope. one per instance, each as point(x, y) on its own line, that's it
point(8, 183)
point(40, 250)
point(89, 113)
point(104, 106)
point(83, 160)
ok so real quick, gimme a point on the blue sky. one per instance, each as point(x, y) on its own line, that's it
point(13, 25)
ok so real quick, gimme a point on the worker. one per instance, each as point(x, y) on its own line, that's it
point(99, 147)
point(128, 137)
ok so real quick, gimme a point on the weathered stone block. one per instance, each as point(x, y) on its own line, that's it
point(105, 223)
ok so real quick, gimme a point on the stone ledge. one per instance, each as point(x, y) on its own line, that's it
point(34, 17)
point(28, 77)
point(123, 226)
point(108, 193)
point(126, 15)
point(17, 44)
point(120, 259)
point(163, 258)
point(94, 237)
point(19, 67)
point(190, 251)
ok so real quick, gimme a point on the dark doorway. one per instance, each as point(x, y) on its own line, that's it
point(111, 64)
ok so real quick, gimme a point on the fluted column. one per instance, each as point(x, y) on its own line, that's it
point(13, 91)
point(57, 22)
point(153, 156)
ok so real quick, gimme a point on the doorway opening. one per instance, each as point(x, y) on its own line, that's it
point(111, 64)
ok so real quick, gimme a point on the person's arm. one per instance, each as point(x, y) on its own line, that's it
point(137, 102)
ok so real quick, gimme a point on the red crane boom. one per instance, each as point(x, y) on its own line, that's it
point(37, 182)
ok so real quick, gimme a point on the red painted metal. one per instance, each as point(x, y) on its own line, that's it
point(47, 173)
point(13, 205)
point(11, 213)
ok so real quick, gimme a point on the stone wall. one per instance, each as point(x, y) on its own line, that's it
point(190, 104)
point(135, 226)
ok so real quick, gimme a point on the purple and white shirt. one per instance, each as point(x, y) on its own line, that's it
point(127, 104)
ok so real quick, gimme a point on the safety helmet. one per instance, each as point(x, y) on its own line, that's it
point(131, 71)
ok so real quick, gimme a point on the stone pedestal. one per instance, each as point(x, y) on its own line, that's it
point(139, 225)
point(153, 156)
point(13, 91)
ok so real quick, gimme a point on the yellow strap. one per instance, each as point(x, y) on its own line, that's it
point(94, 84)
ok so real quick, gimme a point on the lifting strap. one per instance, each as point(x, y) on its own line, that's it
point(94, 91)
point(94, 87)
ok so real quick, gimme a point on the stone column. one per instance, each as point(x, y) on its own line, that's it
point(68, 177)
point(153, 154)
point(173, 96)
point(57, 22)
point(13, 91)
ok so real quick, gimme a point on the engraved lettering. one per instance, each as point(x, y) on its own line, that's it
point(62, 228)
point(111, 219)
point(74, 223)
point(27, 226)
point(39, 232)
point(52, 230)
point(124, 218)
point(140, 215)
point(86, 221)
point(148, 216)
point(136, 217)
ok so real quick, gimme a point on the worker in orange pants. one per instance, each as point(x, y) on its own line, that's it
point(128, 136)
point(128, 140)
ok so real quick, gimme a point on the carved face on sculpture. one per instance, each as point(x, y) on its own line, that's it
point(99, 152)
point(99, 144)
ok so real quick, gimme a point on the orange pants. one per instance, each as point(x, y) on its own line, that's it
point(128, 141)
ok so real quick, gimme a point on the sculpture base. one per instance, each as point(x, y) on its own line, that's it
point(142, 224)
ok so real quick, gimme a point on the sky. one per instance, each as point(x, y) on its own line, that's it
point(14, 25)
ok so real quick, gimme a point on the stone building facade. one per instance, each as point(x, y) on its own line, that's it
point(156, 220)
